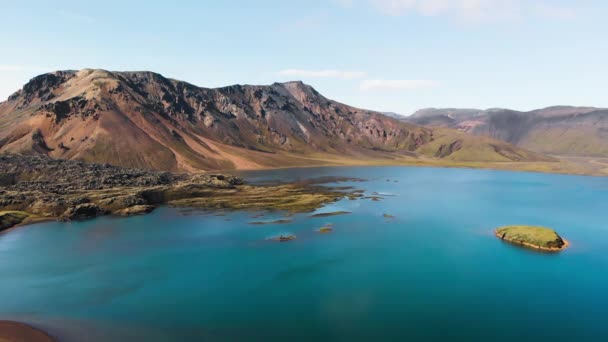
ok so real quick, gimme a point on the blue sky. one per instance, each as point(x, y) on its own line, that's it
point(389, 55)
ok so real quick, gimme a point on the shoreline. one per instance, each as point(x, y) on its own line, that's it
point(34, 218)
point(12, 331)
point(30, 221)
point(68, 191)
point(498, 166)
point(532, 246)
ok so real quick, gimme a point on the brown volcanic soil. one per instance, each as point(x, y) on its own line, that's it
point(19, 332)
point(144, 120)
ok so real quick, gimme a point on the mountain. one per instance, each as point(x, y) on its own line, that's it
point(558, 130)
point(144, 120)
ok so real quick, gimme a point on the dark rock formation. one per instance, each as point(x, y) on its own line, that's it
point(82, 211)
point(70, 190)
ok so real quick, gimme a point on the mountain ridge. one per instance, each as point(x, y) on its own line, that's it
point(144, 120)
point(555, 130)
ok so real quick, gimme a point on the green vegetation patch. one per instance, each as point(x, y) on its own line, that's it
point(532, 236)
point(328, 228)
point(290, 198)
point(10, 219)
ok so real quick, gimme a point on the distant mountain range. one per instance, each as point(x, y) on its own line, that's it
point(394, 115)
point(144, 120)
point(559, 130)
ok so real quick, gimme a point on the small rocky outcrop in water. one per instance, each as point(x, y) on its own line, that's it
point(283, 238)
point(328, 228)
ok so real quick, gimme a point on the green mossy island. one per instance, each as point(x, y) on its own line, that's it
point(536, 237)
point(328, 228)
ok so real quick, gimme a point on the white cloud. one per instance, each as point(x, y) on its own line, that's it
point(474, 11)
point(367, 85)
point(328, 73)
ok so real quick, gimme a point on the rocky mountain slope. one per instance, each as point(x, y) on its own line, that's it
point(560, 130)
point(144, 120)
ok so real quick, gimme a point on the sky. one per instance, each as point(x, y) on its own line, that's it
point(386, 55)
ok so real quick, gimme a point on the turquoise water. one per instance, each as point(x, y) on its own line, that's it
point(434, 272)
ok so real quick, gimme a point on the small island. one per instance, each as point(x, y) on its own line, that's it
point(541, 238)
point(328, 228)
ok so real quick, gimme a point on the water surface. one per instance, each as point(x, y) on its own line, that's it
point(434, 272)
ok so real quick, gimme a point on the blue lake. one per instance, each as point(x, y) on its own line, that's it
point(433, 272)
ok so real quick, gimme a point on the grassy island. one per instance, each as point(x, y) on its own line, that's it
point(328, 228)
point(541, 238)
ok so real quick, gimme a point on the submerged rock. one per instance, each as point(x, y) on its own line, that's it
point(270, 222)
point(333, 213)
point(373, 198)
point(283, 238)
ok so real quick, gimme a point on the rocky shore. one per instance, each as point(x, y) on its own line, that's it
point(38, 187)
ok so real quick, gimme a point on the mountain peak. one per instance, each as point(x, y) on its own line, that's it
point(142, 119)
